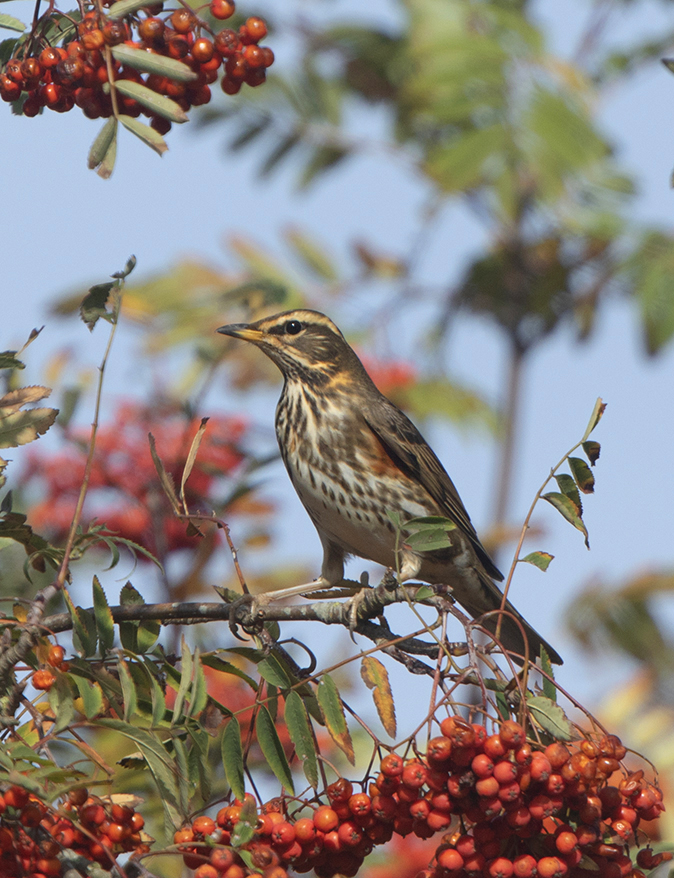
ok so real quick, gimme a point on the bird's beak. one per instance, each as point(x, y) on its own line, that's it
point(242, 330)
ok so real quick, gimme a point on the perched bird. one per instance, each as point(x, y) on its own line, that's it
point(353, 457)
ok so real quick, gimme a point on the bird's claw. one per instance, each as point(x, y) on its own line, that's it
point(245, 613)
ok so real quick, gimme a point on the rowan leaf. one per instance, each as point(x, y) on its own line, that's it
point(160, 105)
point(128, 690)
point(569, 511)
point(232, 758)
point(595, 417)
point(165, 477)
point(330, 703)
point(15, 399)
point(84, 628)
point(299, 729)
point(568, 487)
point(582, 474)
point(272, 749)
point(105, 625)
point(539, 559)
point(139, 59)
point(191, 458)
point(593, 450)
point(101, 145)
point(144, 132)
point(22, 427)
point(92, 696)
point(375, 677)
point(550, 717)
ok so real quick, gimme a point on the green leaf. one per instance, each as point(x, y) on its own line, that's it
point(550, 717)
point(539, 559)
point(139, 59)
point(582, 474)
point(105, 625)
point(123, 7)
point(428, 540)
point(595, 417)
point(105, 140)
point(160, 764)
point(62, 704)
point(272, 670)
point(199, 691)
point(299, 729)
point(128, 690)
point(157, 694)
point(569, 511)
point(186, 780)
point(158, 104)
point(186, 671)
point(11, 23)
point(272, 749)
point(128, 631)
point(144, 132)
point(8, 360)
point(84, 628)
point(147, 634)
point(423, 592)
point(375, 677)
point(93, 305)
point(232, 758)
point(25, 426)
point(593, 450)
point(218, 664)
point(92, 696)
point(549, 688)
point(568, 486)
point(331, 706)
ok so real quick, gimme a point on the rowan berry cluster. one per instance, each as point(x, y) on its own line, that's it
point(35, 839)
point(79, 72)
point(506, 810)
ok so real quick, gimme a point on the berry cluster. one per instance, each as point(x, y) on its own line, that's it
point(79, 72)
point(34, 837)
point(505, 808)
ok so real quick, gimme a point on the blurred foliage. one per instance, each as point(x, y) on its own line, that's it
point(480, 108)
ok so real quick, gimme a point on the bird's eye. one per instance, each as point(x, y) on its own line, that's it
point(292, 327)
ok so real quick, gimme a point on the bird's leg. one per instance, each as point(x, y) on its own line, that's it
point(332, 573)
point(409, 568)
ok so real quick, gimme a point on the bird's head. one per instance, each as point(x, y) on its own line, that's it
point(302, 343)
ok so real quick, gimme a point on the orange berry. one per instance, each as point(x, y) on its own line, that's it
point(256, 28)
point(44, 679)
point(56, 652)
point(222, 9)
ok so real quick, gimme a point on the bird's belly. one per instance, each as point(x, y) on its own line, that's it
point(350, 507)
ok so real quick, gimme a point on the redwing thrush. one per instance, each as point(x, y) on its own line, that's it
point(352, 456)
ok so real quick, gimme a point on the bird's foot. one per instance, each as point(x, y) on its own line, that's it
point(244, 612)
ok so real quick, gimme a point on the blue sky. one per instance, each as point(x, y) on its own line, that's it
point(63, 225)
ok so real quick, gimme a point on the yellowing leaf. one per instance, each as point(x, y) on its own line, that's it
point(375, 677)
point(332, 709)
point(20, 428)
point(11, 402)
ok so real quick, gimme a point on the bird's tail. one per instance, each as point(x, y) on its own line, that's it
point(512, 626)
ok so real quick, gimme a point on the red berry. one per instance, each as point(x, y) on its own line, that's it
point(512, 734)
point(501, 867)
point(256, 28)
point(182, 20)
point(414, 775)
point(450, 859)
point(325, 819)
point(222, 9)
point(524, 866)
point(392, 765)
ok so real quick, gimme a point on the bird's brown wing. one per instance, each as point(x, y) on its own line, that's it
point(410, 452)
